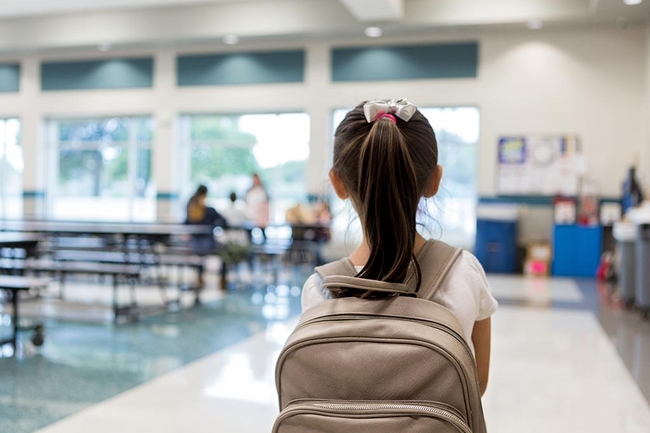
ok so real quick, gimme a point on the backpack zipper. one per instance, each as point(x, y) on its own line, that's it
point(448, 416)
point(345, 317)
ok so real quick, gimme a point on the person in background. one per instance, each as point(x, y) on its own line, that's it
point(235, 214)
point(257, 203)
point(198, 213)
point(632, 192)
point(323, 229)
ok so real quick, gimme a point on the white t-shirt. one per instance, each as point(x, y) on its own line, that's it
point(235, 214)
point(465, 292)
point(257, 205)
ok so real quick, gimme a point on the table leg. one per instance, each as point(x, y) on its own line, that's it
point(14, 318)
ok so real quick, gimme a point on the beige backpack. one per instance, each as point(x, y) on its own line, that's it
point(395, 365)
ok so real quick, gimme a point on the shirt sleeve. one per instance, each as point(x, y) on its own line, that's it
point(313, 292)
point(487, 305)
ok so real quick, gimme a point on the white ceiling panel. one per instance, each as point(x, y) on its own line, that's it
point(14, 8)
point(375, 10)
point(53, 24)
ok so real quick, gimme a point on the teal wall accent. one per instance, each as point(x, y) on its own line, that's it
point(405, 62)
point(518, 199)
point(9, 78)
point(533, 200)
point(167, 196)
point(33, 194)
point(97, 74)
point(241, 68)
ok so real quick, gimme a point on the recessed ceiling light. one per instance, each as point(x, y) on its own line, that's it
point(231, 39)
point(373, 32)
point(105, 46)
point(535, 24)
point(632, 2)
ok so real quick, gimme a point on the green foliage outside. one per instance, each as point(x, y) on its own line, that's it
point(94, 173)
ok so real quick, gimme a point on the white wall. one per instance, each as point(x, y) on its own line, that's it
point(645, 153)
point(591, 82)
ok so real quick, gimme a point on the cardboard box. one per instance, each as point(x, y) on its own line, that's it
point(538, 259)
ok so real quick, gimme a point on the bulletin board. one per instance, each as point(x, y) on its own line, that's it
point(545, 165)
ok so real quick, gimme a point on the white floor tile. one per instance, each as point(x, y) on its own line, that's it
point(552, 371)
point(231, 391)
point(556, 371)
point(534, 290)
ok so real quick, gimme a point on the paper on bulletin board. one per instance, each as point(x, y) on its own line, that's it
point(539, 165)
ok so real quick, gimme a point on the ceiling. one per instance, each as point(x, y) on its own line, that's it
point(46, 24)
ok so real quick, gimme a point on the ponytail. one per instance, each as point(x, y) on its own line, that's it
point(386, 165)
point(388, 192)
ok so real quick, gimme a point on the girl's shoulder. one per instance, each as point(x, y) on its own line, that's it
point(467, 283)
point(313, 292)
point(466, 272)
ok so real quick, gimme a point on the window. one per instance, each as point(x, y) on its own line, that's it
point(223, 151)
point(454, 208)
point(11, 169)
point(101, 169)
point(452, 213)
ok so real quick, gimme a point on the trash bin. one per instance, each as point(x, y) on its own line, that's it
point(641, 217)
point(496, 237)
point(643, 268)
point(625, 235)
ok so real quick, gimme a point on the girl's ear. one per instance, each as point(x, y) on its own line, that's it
point(434, 182)
point(339, 187)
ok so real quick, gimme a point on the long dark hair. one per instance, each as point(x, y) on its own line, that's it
point(386, 167)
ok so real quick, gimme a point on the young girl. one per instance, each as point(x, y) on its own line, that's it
point(385, 161)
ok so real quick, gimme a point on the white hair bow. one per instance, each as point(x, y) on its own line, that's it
point(400, 108)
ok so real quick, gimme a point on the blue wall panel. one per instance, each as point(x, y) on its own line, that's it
point(97, 74)
point(405, 62)
point(9, 77)
point(241, 68)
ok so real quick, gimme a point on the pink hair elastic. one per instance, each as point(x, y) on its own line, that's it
point(387, 116)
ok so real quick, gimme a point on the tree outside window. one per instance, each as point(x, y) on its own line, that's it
point(103, 169)
point(223, 151)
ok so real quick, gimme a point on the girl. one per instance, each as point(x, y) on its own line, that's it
point(385, 161)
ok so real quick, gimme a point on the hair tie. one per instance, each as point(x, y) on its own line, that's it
point(387, 116)
point(375, 110)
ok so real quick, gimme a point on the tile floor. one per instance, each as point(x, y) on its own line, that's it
point(566, 358)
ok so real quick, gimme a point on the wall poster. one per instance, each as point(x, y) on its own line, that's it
point(546, 165)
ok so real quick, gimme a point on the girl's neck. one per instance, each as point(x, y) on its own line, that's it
point(359, 257)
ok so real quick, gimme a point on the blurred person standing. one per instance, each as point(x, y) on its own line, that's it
point(257, 203)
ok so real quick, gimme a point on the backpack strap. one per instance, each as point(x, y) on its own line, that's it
point(435, 261)
point(339, 281)
point(340, 267)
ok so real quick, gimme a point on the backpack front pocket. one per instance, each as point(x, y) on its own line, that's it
point(327, 416)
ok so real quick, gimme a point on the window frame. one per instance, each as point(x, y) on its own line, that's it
point(54, 145)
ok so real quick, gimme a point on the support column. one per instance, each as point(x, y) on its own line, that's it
point(35, 153)
point(166, 164)
point(321, 135)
